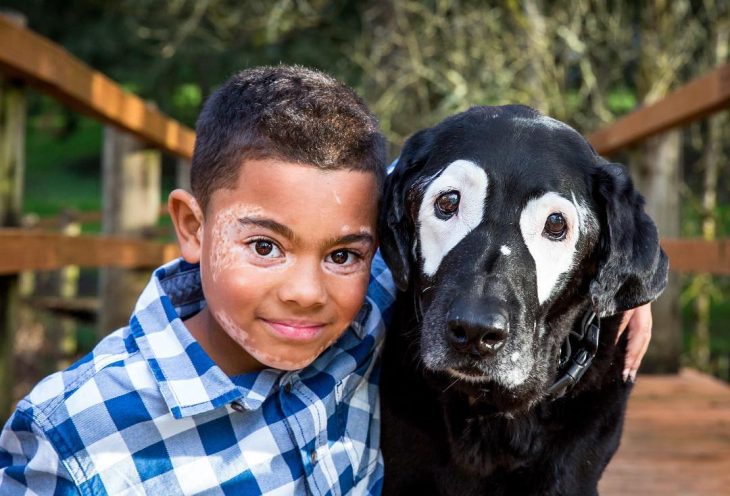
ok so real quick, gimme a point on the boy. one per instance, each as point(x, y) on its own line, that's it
point(247, 367)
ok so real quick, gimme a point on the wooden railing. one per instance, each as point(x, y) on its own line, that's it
point(50, 68)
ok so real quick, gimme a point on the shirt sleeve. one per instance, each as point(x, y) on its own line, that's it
point(381, 289)
point(29, 464)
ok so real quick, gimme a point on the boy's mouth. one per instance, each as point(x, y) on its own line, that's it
point(295, 330)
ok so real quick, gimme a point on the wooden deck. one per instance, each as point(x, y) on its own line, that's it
point(676, 439)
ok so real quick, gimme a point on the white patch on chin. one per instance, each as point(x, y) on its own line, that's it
point(438, 236)
point(508, 376)
point(552, 258)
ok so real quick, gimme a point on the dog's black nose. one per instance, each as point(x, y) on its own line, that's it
point(477, 328)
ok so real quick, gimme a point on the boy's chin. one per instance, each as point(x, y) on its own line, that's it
point(283, 362)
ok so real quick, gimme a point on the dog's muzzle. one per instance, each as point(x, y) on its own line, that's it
point(477, 327)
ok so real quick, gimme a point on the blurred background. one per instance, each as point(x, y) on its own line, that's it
point(586, 62)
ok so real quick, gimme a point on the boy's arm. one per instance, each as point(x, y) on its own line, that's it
point(28, 462)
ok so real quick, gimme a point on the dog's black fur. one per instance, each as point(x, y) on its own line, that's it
point(443, 434)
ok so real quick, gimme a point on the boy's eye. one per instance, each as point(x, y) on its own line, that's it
point(264, 248)
point(342, 257)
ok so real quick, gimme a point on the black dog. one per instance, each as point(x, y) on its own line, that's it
point(507, 234)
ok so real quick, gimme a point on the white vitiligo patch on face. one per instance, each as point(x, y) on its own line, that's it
point(438, 236)
point(248, 343)
point(552, 258)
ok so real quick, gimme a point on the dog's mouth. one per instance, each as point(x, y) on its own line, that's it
point(468, 373)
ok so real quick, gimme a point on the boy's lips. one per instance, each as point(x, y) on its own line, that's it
point(296, 330)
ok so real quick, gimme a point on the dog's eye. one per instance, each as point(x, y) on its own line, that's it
point(555, 227)
point(447, 204)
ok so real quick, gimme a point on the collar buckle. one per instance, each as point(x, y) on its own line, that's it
point(574, 365)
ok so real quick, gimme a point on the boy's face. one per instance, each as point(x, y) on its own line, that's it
point(285, 259)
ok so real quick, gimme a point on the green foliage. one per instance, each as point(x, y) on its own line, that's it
point(63, 167)
point(621, 100)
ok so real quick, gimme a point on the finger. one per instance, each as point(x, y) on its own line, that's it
point(634, 368)
point(628, 314)
point(639, 336)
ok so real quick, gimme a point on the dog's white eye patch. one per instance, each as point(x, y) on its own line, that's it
point(552, 258)
point(437, 236)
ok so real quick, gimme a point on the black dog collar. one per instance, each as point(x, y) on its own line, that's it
point(573, 365)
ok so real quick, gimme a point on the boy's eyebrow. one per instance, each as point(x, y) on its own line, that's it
point(270, 224)
point(351, 238)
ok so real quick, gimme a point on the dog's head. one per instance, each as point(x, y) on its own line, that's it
point(506, 227)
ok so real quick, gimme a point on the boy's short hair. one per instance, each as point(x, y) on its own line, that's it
point(289, 113)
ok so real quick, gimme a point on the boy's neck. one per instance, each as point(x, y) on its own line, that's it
point(224, 351)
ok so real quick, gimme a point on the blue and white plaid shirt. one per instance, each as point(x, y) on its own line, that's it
point(148, 412)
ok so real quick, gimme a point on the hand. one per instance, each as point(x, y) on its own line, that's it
point(638, 321)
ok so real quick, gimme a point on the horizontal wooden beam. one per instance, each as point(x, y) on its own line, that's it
point(698, 256)
point(22, 249)
point(691, 102)
point(40, 62)
point(25, 249)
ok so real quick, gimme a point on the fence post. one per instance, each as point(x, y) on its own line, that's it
point(12, 166)
point(130, 207)
point(182, 174)
point(656, 171)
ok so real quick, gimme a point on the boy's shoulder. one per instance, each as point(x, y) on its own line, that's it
point(112, 372)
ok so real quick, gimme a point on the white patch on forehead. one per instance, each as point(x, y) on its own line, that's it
point(552, 258)
point(437, 236)
point(505, 250)
point(545, 121)
point(514, 356)
point(551, 123)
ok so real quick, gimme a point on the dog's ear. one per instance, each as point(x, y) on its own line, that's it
point(396, 224)
point(632, 268)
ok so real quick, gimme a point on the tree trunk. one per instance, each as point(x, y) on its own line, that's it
point(713, 157)
point(131, 206)
point(656, 173)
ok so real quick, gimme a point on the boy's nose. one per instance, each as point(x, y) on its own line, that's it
point(303, 284)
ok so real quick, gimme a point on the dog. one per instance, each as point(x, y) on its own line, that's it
point(515, 248)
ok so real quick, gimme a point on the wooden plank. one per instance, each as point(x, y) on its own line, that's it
point(691, 102)
point(22, 249)
point(42, 63)
point(698, 256)
point(676, 439)
point(12, 167)
point(30, 249)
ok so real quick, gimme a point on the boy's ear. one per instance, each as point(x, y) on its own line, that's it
point(188, 220)
point(632, 269)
